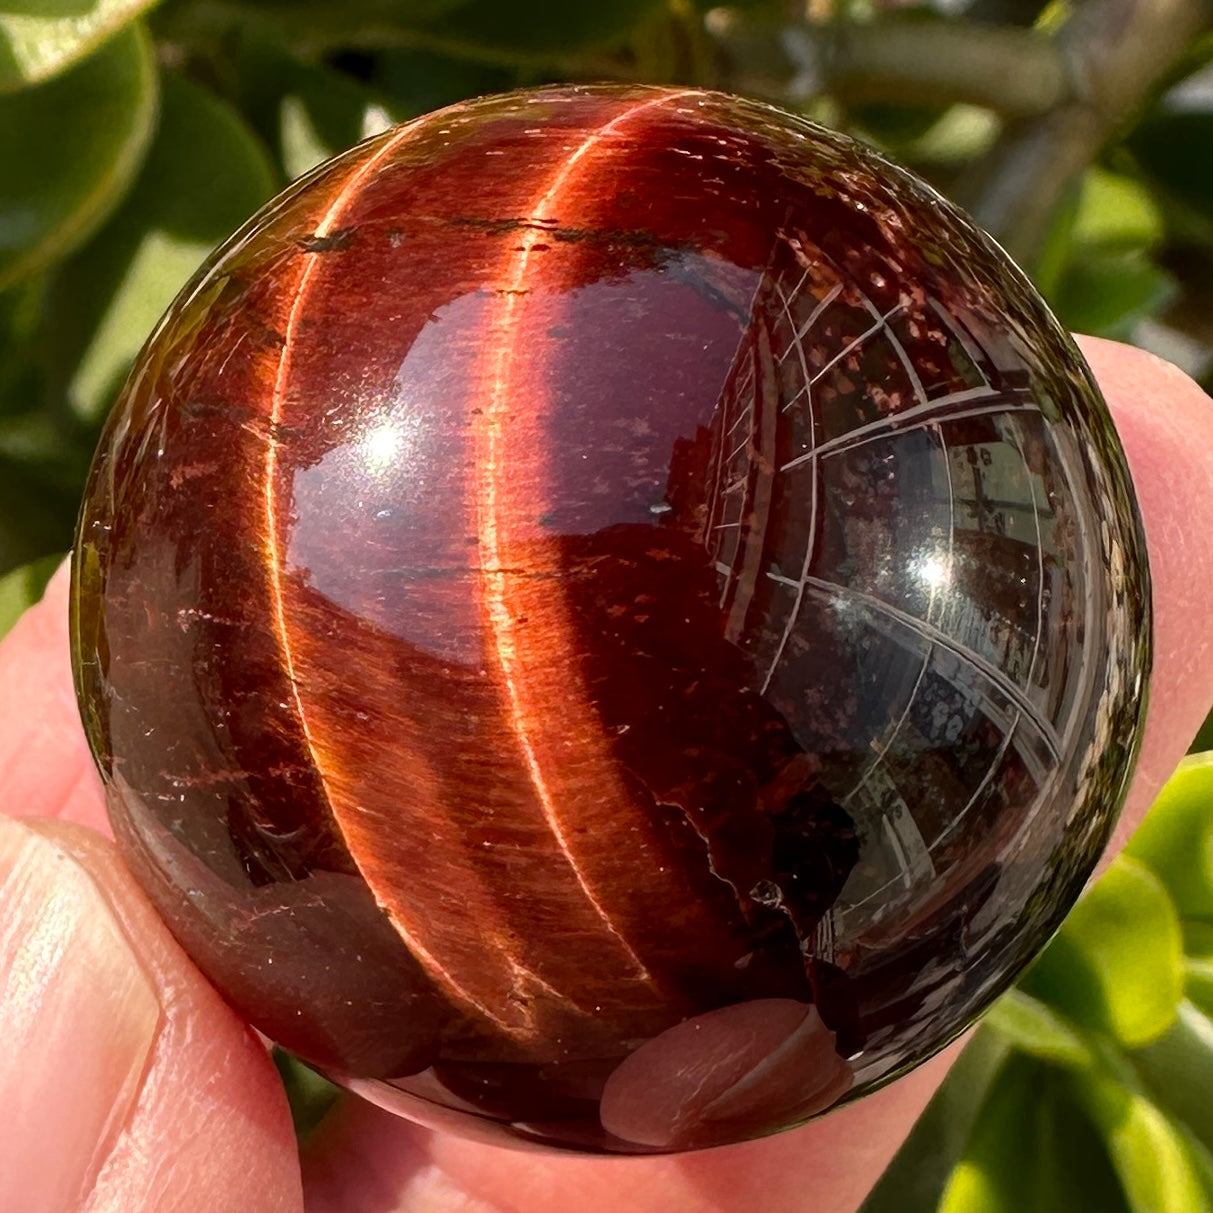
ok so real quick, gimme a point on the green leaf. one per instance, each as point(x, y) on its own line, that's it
point(69, 149)
point(1203, 741)
point(1108, 293)
point(1031, 1149)
point(1115, 212)
point(1198, 985)
point(1176, 839)
point(313, 28)
point(1057, 248)
point(539, 27)
point(1036, 1029)
point(41, 38)
point(20, 318)
point(1198, 939)
point(23, 587)
point(914, 1181)
point(1159, 1170)
point(206, 173)
point(419, 81)
point(309, 1094)
point(1116, 966)
point(892, 126)
point(356, 12)
point(36, 516)
point(1176, 1071)
point(1174, 147)
point(1094, 266)
point(305, 113)
point(962, 133)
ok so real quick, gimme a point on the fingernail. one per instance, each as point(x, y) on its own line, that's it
point(78, 1017)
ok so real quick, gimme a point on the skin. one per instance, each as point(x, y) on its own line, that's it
point(202, 1123)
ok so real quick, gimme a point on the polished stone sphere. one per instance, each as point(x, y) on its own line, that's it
point(611, 618)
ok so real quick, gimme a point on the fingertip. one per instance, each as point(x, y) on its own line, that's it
point(1165, 422)
point(45, 766)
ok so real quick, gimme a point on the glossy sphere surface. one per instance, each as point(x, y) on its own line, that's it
point(611, 617)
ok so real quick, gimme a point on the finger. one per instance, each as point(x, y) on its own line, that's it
point(365, 1159)
point(1166, 424)
point(127, 1083)
point(45, 768)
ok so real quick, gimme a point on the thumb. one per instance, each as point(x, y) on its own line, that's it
point(127, 1082)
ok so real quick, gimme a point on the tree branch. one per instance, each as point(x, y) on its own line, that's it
point(1116, 52)
point(1013, 71)
point(1063, 96)
point(1017, 72)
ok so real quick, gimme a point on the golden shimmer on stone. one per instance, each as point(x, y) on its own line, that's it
point(611, 617)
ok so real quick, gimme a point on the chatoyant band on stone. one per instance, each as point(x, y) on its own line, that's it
point(611, 618)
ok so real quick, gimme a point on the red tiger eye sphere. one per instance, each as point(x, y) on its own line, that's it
point(611, 616)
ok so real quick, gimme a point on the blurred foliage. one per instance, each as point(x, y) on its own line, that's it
point(1088, 1086)
point(135, 136)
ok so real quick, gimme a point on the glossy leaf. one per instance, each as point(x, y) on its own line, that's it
point(206, 174)
point(914, 1181)
point(316, 28)
point(1198, 975)
point(22, 587)
point(1115, 212)
point(59, 179)
point(1031, 1149)
point(1159, 1170)
point(1057, 248)
point(1177, 1071)
point(40, 38)
point(1116, 966)
point(1176, 839)
point(1037, 1029)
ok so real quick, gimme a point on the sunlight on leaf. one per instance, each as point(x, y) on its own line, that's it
point(1031, 1149)
point(914, 1181)
point(1176, 839)
point(1157, 1167)
point(1116, 965)
point(206, 174)
point(60, 179)
point(40, 38)
point(1035, 1028)
point(1115, 211)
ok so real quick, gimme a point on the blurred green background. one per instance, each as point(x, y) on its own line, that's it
point(135, 136)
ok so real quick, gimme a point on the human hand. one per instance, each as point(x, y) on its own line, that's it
point(130, 1087)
